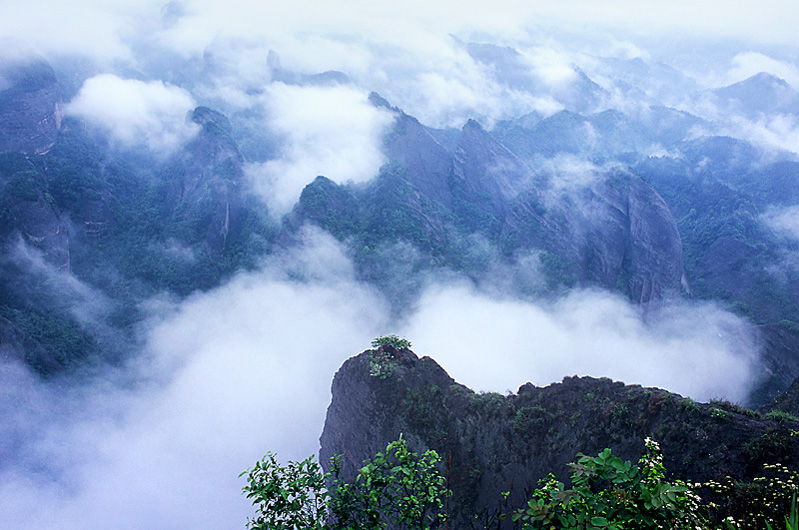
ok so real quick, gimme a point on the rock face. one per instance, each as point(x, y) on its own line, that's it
point(616, 232)
point(30, 106)
point(611, 229)
point(207, 178)
point(492, 443)
point(27, 212)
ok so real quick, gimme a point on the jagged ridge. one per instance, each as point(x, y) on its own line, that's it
point(495, 443)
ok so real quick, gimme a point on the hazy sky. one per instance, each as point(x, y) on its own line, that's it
point(106, 28)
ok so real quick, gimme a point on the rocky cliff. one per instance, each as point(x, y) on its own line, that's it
point(27, 212)
point(30, 106)
point(616, 232)
point(608, 229)
point(205, 188)
point(493, 443)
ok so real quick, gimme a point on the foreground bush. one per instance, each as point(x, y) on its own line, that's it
point(401, 489)
point(609, 493)
point(397, 488)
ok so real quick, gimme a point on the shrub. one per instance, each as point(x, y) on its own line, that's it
point(392, 340)
point(397, 488)
point(608, 493)
point(780, 416)
point(382, 365)
point(720, 414)
point(768, 498)
point(291, 496)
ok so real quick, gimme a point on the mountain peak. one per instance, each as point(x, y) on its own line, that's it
point(379, 101)
point(507, 442)
point(762, 93)
point(211, 119)
point(766, 78)
point(472, 125)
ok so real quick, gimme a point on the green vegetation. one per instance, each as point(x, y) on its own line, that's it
point(382, 364)
point(132, 233)
point(291, 496)
point(392, 340)
point(402, 489)
point(397, 488)
point(780, 416)
point(769, 499)
point(719, 414)
point(728, 253)
point(610, 493)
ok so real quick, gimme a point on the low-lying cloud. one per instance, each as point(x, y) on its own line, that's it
point(776, 134)
point(136, 113)
point(491, 343)
point(225, 376)
point(331, 131)
point(245, 368)
point(784, 221)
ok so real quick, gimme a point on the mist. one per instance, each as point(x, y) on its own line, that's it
point(330, 131)
point(136, 113)
point(486, 342)
point(222, 376)
point(227, 375)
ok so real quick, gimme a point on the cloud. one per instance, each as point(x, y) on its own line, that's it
point(569, 172)
point(409, 22)
point(404, 51)
point(13, 54)
point(316, 35)
point(136, 113)
point(231, 373)
point(550, 65)
point(330, 131)
point(497, 343)
point(747, 64)
point(774, 134)
point(225, 376)
point(784, 221)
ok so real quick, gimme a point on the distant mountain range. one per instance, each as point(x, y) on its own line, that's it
point(649, 201)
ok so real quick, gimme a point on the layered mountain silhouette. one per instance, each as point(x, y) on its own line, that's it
point(643, 202)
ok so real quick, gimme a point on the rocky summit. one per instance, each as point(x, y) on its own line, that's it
point(493, 443)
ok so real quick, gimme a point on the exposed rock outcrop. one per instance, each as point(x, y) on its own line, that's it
point(611, 229)
point(207, 179)
point(494, 443)
point(27, 211)
point(616, 232)
point(30, 106)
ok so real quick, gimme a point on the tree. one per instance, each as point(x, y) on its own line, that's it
point(608, 493)
point(287, 497)
point(392, 340)
point(397, 488)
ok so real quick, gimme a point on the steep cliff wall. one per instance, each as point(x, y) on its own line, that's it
point(206, 181)
point(30, 106)
point(493, 443)
point(609, 229)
